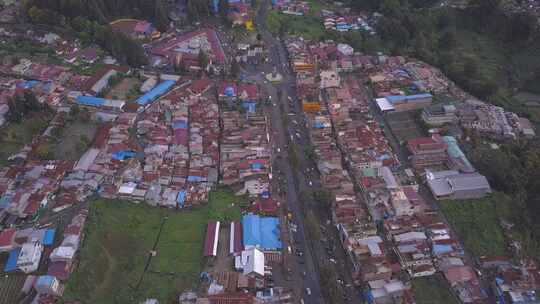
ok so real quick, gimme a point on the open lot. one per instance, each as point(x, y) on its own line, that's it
point(309, 27)
point(477, 223)
point(403, 125)
point(75, 137)
point(15, 135)
point(124, 88)
point(119, 238)
point(434, 289)
point(10, 288)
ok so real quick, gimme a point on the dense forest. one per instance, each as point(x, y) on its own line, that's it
point(436, 35)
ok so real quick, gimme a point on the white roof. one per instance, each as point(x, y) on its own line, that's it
point(409, 236)
point(127, 188)
point(394, 286)
point(253, 261)
point(384, 105)
point(388, 177)
point(62, 253)
point(86, 160)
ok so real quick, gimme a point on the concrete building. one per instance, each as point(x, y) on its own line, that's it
point(427, 152)
point(401, 103)
point(29, 257)
point(454, 185)
point(438, 115)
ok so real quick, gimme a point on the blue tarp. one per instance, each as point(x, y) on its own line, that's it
point(180, 124)
point(262, 232)
point(441, 249)
point(265, 194)
point(250, 106)
point(48, 237)
point(157, 91)
point(5, 200)
point(256, 166)
point(318, 125)
point(11, 264)
point(229, 92)
point(181, 198)
point(122, 155)
point(45, 280)
point(90, 101)
point(28, 84)
point(193, 178)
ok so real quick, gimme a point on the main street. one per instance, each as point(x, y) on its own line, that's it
point(279, 135)
point(287, 129)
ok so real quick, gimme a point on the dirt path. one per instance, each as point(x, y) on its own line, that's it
point(102, 287)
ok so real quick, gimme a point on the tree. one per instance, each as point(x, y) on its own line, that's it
point(448, 40)
point(203, 60)
point(471, 67)
point(45, 152)
point(312, 227)
point(223, 8)
point(160, 16)
point(235, 69)
point(74, 110)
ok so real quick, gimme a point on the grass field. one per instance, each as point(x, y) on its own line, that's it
point(477, 223)
point(309, 27)
point(15, 135)
point(119, 237)
point(430, 290)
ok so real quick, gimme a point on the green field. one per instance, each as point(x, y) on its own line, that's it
point(15, 135)
point(309, 27)
point(431, 290)
point(119, 236)
point(477, 223)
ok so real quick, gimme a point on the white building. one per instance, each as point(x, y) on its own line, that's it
point(29, 257)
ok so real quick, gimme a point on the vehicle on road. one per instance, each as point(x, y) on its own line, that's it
point(310, 183)
point(308, 291)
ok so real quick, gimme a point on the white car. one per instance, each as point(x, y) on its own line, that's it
point(308, 291)
point(310, 183)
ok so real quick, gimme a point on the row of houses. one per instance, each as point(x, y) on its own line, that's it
point(415, 241)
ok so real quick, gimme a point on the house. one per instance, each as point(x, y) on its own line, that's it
point(251, 262)
point(400, 103)
point(49, 285)
point(438, 115)
point(454, 185)
point(427, 152)
point(29, 256)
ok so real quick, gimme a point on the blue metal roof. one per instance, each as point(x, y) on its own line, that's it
point(122, 155)
point(11, 264)
point(193, 178)
point(179, 124)
point(181, 198)
point(400, 98)
point(45, 280)
point(157, 91)
point(48, 237)
point(90, 100)
point(262, 232)
point(5, 200)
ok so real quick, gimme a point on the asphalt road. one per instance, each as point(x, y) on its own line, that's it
point(283, 134)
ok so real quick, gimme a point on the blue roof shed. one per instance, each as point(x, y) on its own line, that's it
point(11, 264)
point(90, 101)
point(48, 237)
point(181, 198)
point(157, 91)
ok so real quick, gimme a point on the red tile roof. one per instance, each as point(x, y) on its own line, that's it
point(6, 237)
